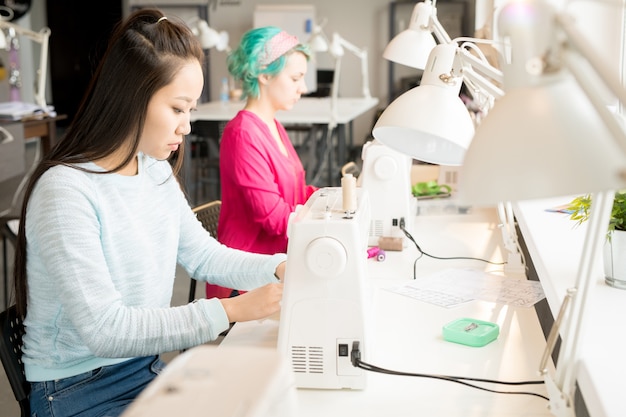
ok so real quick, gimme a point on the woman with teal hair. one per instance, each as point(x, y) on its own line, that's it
point(262, 177)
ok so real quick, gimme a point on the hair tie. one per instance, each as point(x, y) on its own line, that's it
point(277, 46)
point(162, 18)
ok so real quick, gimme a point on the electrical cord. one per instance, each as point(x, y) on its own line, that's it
point(355, 358)
point(422, 253)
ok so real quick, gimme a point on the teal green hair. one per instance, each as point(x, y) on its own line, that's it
point(243, 62)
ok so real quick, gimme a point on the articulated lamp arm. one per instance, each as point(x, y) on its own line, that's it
point(437, 28)
point(596, 62)
point(336, 50)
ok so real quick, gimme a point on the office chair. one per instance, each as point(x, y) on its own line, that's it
point(208, 214)
point(9, 235)
point(11, 355)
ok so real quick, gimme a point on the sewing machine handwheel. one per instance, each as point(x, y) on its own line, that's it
point(326, 257)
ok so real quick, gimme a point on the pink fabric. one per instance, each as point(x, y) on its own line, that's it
point(260, 187)
point(277, 46)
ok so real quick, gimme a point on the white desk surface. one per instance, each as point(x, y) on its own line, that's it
point(405, 335)
point(555, 245)
point(308, 110)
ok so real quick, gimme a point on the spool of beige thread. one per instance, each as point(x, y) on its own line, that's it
point(348, 188)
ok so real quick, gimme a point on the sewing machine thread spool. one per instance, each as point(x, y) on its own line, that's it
point(376, 252)
point(348, 188)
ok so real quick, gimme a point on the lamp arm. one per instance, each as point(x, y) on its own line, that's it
point(437, 28)
point(561, 386)
point(39, 37)
point(42, 38)
point(470, 74)
point(484, 67)
point(472, 69)
point(334, 94)
point(599, 66)
point(360, 53)
point(40, 95)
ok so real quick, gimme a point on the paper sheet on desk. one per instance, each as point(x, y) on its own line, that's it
point(456, 286)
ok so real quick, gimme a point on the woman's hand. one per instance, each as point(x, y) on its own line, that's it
point(255, 304)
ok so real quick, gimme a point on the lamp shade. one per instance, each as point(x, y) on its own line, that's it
point(412, 46)
point(335, 47)
point(317, 42)
point(537, 142)
point(210, 38)
point(429, 122)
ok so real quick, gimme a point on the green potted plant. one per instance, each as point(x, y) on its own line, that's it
point(614, 254)
point(579, 211)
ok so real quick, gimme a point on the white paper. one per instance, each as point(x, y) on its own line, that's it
point(452, 287)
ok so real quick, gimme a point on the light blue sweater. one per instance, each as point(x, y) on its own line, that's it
point(101, 261)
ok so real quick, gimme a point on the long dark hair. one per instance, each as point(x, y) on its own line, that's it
point(144, 53)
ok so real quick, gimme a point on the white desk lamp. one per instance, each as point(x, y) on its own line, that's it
point(569, 143)
point(40, 37)
point(412, 46)
point(431, 123)
point(441, 130)
point(319, 43)
point(209, 37)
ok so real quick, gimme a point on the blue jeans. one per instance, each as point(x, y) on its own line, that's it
point(103, 392)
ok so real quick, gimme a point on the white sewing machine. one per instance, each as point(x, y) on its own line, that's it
point(386, 175)
point(322, 311)
point(221, 381)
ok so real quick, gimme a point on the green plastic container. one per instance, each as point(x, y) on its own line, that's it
point(471, 332)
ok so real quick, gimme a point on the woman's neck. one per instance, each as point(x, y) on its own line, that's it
point(267, 114)
point(263, 110)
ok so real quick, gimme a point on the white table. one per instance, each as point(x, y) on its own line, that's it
point(406, 336)
point(309, 111)
point(555, 245)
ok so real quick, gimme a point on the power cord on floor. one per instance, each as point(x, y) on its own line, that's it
point(355, 358)
point(422, 253)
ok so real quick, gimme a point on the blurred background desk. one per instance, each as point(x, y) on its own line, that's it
point(12, 152)
point(45, 129)
point(311, 114)
point(405, 335)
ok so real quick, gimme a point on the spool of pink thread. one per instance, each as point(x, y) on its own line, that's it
point(376, 252)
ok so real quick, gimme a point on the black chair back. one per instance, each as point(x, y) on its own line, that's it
point(208, 214)
point(11, 355)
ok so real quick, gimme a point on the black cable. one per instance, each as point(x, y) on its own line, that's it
point(422, 253)
point(356, 361)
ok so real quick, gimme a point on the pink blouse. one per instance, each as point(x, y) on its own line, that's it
point(260, 186)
